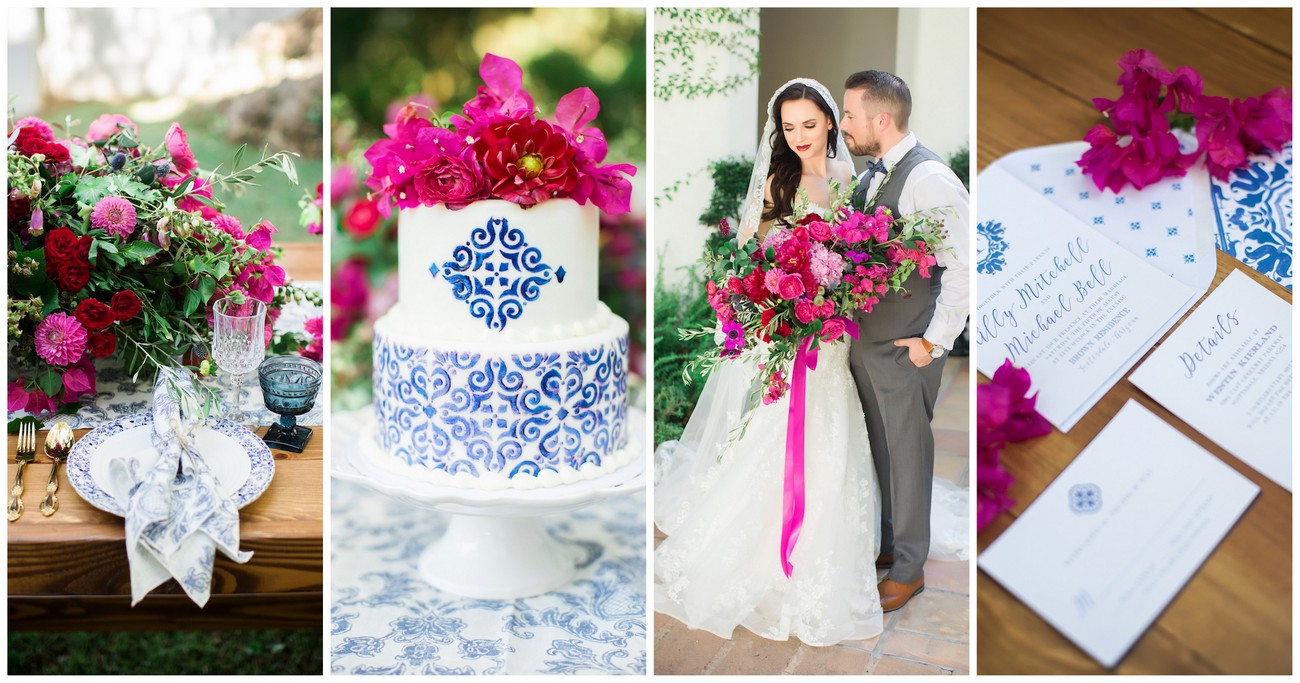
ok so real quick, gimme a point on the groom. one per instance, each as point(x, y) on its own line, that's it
point(898, 361)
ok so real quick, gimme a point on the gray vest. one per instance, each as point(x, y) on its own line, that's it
point(907, 313)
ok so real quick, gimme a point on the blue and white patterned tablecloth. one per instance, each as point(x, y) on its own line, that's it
point(117, 396)
point(386, 620)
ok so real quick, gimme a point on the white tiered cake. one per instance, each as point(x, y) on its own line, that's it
point(499, 366)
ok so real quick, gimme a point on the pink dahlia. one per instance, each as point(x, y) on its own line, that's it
point(526, 162)
point(60, 339)
point(114, 215)
point(229, 225)
point(178, 146)
point(41, 128)
point(106, 125)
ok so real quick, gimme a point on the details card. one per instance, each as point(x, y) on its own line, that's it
point(1106, 547)
point(1227, 372)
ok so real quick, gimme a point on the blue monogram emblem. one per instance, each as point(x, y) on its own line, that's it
point(991, 247)
point(1085, 498)
point(496, 273)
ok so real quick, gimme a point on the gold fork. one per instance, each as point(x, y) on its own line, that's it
point(25, 453)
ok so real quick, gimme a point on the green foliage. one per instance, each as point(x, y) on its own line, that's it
point(686, 53)
point(959, 162)
point(175, 653)
point(730, 182)
point(677, 307)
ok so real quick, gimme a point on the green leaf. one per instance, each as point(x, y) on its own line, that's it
point(106, 245)
point(14, 424)
point(91, 189)
point(192, 302)
point(50, 382)
point(140, 250)
point(222, 270)
point(207, 286)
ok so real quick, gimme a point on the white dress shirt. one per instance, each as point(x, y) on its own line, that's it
point(931, 185)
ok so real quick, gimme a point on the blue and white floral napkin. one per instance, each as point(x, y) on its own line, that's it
point(176, 518)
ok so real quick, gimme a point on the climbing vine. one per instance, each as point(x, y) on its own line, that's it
point(688, 53)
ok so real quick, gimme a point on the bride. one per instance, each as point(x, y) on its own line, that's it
point(720, 503)
point(719, 498)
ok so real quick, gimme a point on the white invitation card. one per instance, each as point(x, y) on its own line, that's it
point(1106, 547)
point(1060, 300)
point(1227, 372)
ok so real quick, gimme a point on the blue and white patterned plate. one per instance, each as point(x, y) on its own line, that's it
point(239, 460)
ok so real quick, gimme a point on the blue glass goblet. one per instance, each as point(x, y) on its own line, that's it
point(289, 387)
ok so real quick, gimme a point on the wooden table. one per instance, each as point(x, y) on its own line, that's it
point(1038, 70)
point(69, 571)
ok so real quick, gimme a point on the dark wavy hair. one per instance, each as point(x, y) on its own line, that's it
point(786, 169)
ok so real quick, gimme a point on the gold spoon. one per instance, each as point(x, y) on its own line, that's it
point(57, 444)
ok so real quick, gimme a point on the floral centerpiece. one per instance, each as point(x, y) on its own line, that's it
point(119, 250)
point(1139, 147)
point(497, 148)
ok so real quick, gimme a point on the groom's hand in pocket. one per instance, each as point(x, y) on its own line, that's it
point(915, 351)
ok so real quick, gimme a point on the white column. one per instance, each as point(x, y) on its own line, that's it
point(934, 61)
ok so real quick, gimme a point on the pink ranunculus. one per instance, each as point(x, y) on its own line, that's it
point(178, 146)
point(60, 339)
point(804, 311)
point(820, 231)
point(229, 225)
point(452, 175)
point(832, 329)
point(790, 287)
point(106, 125)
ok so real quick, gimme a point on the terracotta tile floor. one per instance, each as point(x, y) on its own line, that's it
point(928, 636)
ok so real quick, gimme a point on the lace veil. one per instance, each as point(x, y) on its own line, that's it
point(751, 211)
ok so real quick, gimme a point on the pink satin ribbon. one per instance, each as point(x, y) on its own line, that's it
point(792, 514)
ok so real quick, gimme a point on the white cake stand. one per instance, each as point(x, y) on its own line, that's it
point(495, 546)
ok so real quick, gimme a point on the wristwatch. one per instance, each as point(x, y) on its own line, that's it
point(934, 350)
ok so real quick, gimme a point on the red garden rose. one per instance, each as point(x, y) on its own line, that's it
point(102, 344)
point(30, 142)
point(72, 277)
point(527, 162)
point(125, 305)
point(61, 246)
point(94, 314)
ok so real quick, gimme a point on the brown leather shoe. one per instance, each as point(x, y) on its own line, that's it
point(884, 561)
point(893, 595)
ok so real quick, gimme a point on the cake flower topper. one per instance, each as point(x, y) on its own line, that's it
point(497, 148)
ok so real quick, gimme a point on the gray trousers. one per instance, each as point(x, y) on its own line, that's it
point(898, 399)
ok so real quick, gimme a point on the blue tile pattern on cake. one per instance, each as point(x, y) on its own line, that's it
point(496, 273)
point(515, 414)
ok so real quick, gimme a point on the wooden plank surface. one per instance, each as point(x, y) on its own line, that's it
point(303, 261)
point(78, 554)
point(1038, 70)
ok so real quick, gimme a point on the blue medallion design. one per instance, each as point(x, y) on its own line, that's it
point(1085, 498)
point(512, 413)
point(496, 273)
point(991, 247)
point(1253, 210)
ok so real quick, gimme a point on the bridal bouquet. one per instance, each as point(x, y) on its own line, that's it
point(497, 148)
point(119, 250)
point(800, 287)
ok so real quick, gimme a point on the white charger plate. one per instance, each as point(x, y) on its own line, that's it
point(240, 461)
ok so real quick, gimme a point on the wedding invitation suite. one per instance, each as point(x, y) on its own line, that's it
point(1227, 372)
point(1061, 300)
point(1106, 547)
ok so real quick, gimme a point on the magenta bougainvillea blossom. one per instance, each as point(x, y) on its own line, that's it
point(497, 148)
point(1005, 414)
point(1139, 147)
